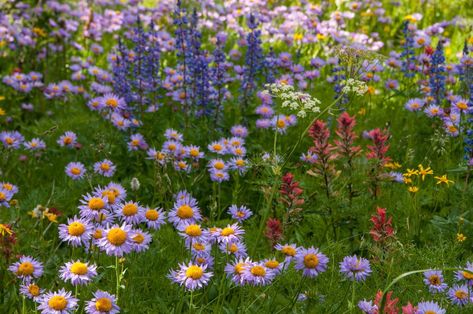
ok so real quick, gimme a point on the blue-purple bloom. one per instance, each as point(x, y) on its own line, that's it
point(355, 268)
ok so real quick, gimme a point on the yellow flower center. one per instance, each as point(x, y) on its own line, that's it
point(57, 302)
point(233, 248)
point(227, 231)
point(98, 234)
point(195, 272)
point(25, 269)
point(460, 294)
point(239, 268)
point(172, 147)
point(76, 229)
point(430, 312)
point(434, 280)
point(200, 260)
point(193, 230)
point(2, 196)
point(194, 152)
point(116, 236)
point(67, 140)
point(111, 102)
point(9, 140)
point(96, 203)
point(467, 275)
point(198, 246)
point(185, 212)
point(281, 123)
point(110, 196)
point(217, 147)
point(311, 260)
point(240, 214)
point(105, 166)
point(462, 105)
point(33, 290)
point(258, 271)
point(75, 171)
point(103, 305)
point(79, 268)
point(130, 209)
point(272, 264)
point(138, 238)
point(219, 165)
point(288, 250)
point(8, 186)
point(135, 142)
point(152, 214)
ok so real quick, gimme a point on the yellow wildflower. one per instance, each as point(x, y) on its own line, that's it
point(423, 172)
point(443, 179)
point(461, 237)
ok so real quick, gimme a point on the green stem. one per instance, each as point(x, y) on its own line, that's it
point(117, 277)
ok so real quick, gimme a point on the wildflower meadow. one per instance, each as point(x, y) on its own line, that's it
point(236, 156)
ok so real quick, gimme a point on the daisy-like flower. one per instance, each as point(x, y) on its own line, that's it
point(75, 170)
point(112, 102)
point(217, 147)
point(141, 240)
point(35, 144)
point(76, 232)
point(274, 265)
point(194, 152)
point(415, 104)
point(355, 268)
point(257, 274)
point(219, 175)
point(240, 213)
point(59, 302)
point(230, 233)
point(5, 197)
point(200, 248)
point(11, 139)
point(311, 262)
point(157, 156)
point(154, 218)
point(27, 268)
point(192, 232)
point(289, 251)
point(368, 307)
point(171, 147)
point(93, 206)
point(118, 190)
point(217, 165)
point(191, 276)
point(235, 248)
point(239, 131)
point(172, 134)
point(185, 210)
point(429, 308)
point(204, 260)
point(238, 163)
point(434, 280)
point(235, 270)
point(31, 290)
point(9, 187)
point(68, 139)
point(137, 141)
point(459, 295)
point(105, 168)
point(117, 240)
point(443, 180)
point(466, 274)
point(78, 273)
point(102, 303)
point(130, 212)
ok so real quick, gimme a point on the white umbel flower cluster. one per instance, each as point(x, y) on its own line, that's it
point(355, 86)
point(299, 102)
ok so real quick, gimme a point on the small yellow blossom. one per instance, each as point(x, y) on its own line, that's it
point(443, 179)
point(413, 189)
point(392, 165)
point(5, 230)
point(407, 180)
point(298, 36)
point(2, 112)
point(410, 173)
point(423, 172)
point(461, 237)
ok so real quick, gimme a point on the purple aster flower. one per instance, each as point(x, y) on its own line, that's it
point(368, 307)
point(154, 218)
point(31, 290)
point(93, 206)
point(219, 175)
point(206, 260)
point(310, 261)
point(415, 104)
point(217, 147)
point(157, 156)
point(105, 168)
point(217, 164)
point(257, 274)
point(239, 164)
point(274, 265)
point(288, 250)
point(263, 123)
point(266, 111)
point(27, 268)
point(141, 240)
point(355, 268)
point(117, 240)
point(463, 275)
point(9, 187)
point(309, 157)
point(182, 165)
point(11, 139)
point(75, 170)
point(201, 248)
point(429, 308)
point(239, 131)
point(194, 152)
point(191, 276)
point(172, 134)
point(171, 147)
point(113, 102)
point(68, 139)
point(130, 212)
point(35, 144)
point(235, 248)
point(102, 303)
point(235, 270)
point(5, 197)
point(59, 302)
point(434, 280)
point(77, 272)
point(185, 210)
point(137, 141)
point(76, 232)
point(239, 213)
point(192, 232)
point(230, 233)
point(459, 295)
